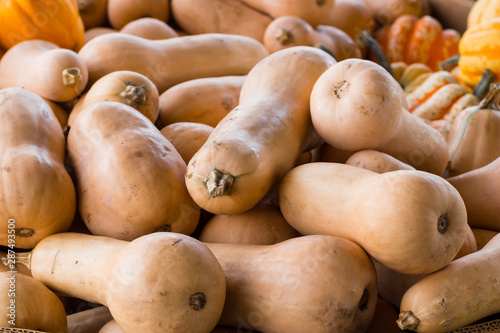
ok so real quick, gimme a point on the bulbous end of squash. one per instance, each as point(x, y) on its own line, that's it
point(407, 321)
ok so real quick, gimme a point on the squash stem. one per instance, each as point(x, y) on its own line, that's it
point(449, 63)
point(71, 76)
point(407, 321)
point(284, 36)
point(327, 50)
point(134, 95)
point(20, 258)
point(482, 87)
point(218, 183)
point(366, 39)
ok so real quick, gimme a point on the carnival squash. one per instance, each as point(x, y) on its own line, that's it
point(162, 282)
point(121, 12)
point(419, 235)
point(464, 291)
point(483, 11)
point(37, 197)
point(259, 140)
point(42, 67)
point(172, 61)
point(130, 179)
point(356, 105)
point(305, 284)
point(55, 21)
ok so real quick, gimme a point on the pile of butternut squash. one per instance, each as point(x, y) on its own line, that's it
point(198, 166)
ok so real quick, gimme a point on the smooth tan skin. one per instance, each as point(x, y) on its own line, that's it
point(130, 179)
point(262, 225)
point(393, 285)
point(149, 284)
point(187, 137)
point(61, 114)
point(39, 67)
point(313, 12)
point(220, 16)
point(384, 319)
point(327, 153)
point(305, 284)
point(127, 87)
point(149, 28)
point(111, 327)
point(468, 286)
point(36, 306)
point(479, 145)
point(94, 13)
point(402, 208)
point(89, 321)
point(352, 17)
point(289, 31)
point(357, 105)
point(37, 191)
point(483, 236)
point(97, 31)
point(204, 100)
point(376, 161)
point(260, 140)
point(121, 12)
point(479, 190)
point(174, 60)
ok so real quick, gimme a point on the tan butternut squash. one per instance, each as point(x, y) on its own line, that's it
point(356, 105)
point(121, 12)
point(60, 113)
point(37, 197)
point(388, 11)
point(204, 100)
point(259, 140)
point(479, 190)
point(28, 303)
point(417, 235)
point(130, 179)
point(304, 284)
point(464, 291)
point(220, 16)
point(483, 236)
point(94, 13)
point(174, 60)
point(352, 17)
point(328, 153)
point(313, 12)
point(162, 282)
point(376, 161)
point(89, 321)
point(126, 87)
point(43, 68)
point(149, 28)
point(187, 137)
point(262, 225)
point(111, 327)
point(289, 31)
point(97, 31)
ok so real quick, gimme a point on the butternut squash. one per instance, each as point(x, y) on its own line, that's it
point(161, 282)
point(204, 100)
point(43, 68)
point(416, 236)
point(304, 284)
point(149, 28)
point(97, 31)
point(94, 13)
point(328, 153)
point(89, 321)
point(313, 12)
point(259, 140)
point(60, 113)
point(121, 12)
point(186, 137)
point(288, 31)
point(386, 12)
point(126, 87)
point(111, 327)
point(352, 17)
point(130, 179)
point(367, 110)
point(464, 291)
point(28, 303)
point(483, 236)
point(37, 197)
point(262, 225)
point(376, 161)
point(479, 190)
point(220, 16)
point(174, 60)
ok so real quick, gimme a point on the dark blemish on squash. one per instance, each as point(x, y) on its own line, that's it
point(6, 169)
point(54, 263)
point(442, 303)
point(363, 302)
point(227, 103)
point(197, 301)
point(24, 232)
point(177, 241)
point(163, 293)
point(341, 88)
point(138, 154)
point(320, 2)
point(76, 262)
point(165, 227)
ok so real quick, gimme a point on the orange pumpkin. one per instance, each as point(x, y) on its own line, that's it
point(57, 21)
point(423, 40)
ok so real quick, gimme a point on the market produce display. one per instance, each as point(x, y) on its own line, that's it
point(267, 166)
